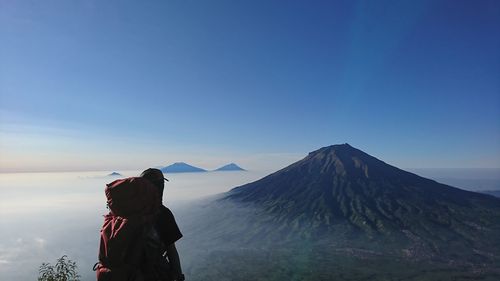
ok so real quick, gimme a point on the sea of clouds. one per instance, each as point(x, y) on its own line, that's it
point(46, 215)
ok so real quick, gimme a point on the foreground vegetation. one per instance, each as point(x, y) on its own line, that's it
point(63, 270)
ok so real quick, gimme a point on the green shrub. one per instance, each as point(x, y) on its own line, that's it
point(64, 270)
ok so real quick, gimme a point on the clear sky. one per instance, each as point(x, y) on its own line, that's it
point(127, 84)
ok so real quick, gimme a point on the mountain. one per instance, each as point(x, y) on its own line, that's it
point(341, 214)
point(341, 188)
point(115, 174)
point(181, 167)
point(230, 167)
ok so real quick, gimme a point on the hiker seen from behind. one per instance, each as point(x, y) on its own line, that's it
point(139, 233)
point(165, 224)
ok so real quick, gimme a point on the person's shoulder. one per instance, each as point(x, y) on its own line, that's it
point(166, 211)
point(164, 208)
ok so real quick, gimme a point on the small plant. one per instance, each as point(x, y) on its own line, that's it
point(64, 270)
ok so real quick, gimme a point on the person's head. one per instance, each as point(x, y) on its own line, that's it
point(156, 177)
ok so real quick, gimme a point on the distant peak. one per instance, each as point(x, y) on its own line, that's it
point(181, 167)
point(230, 167)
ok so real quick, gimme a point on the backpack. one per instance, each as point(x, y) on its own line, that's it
point(130, 248)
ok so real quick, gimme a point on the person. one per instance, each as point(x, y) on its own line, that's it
point(165, 224)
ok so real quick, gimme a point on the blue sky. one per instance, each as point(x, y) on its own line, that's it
point(127, 84)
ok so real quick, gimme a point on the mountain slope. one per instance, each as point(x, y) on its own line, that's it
point(495, 193)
